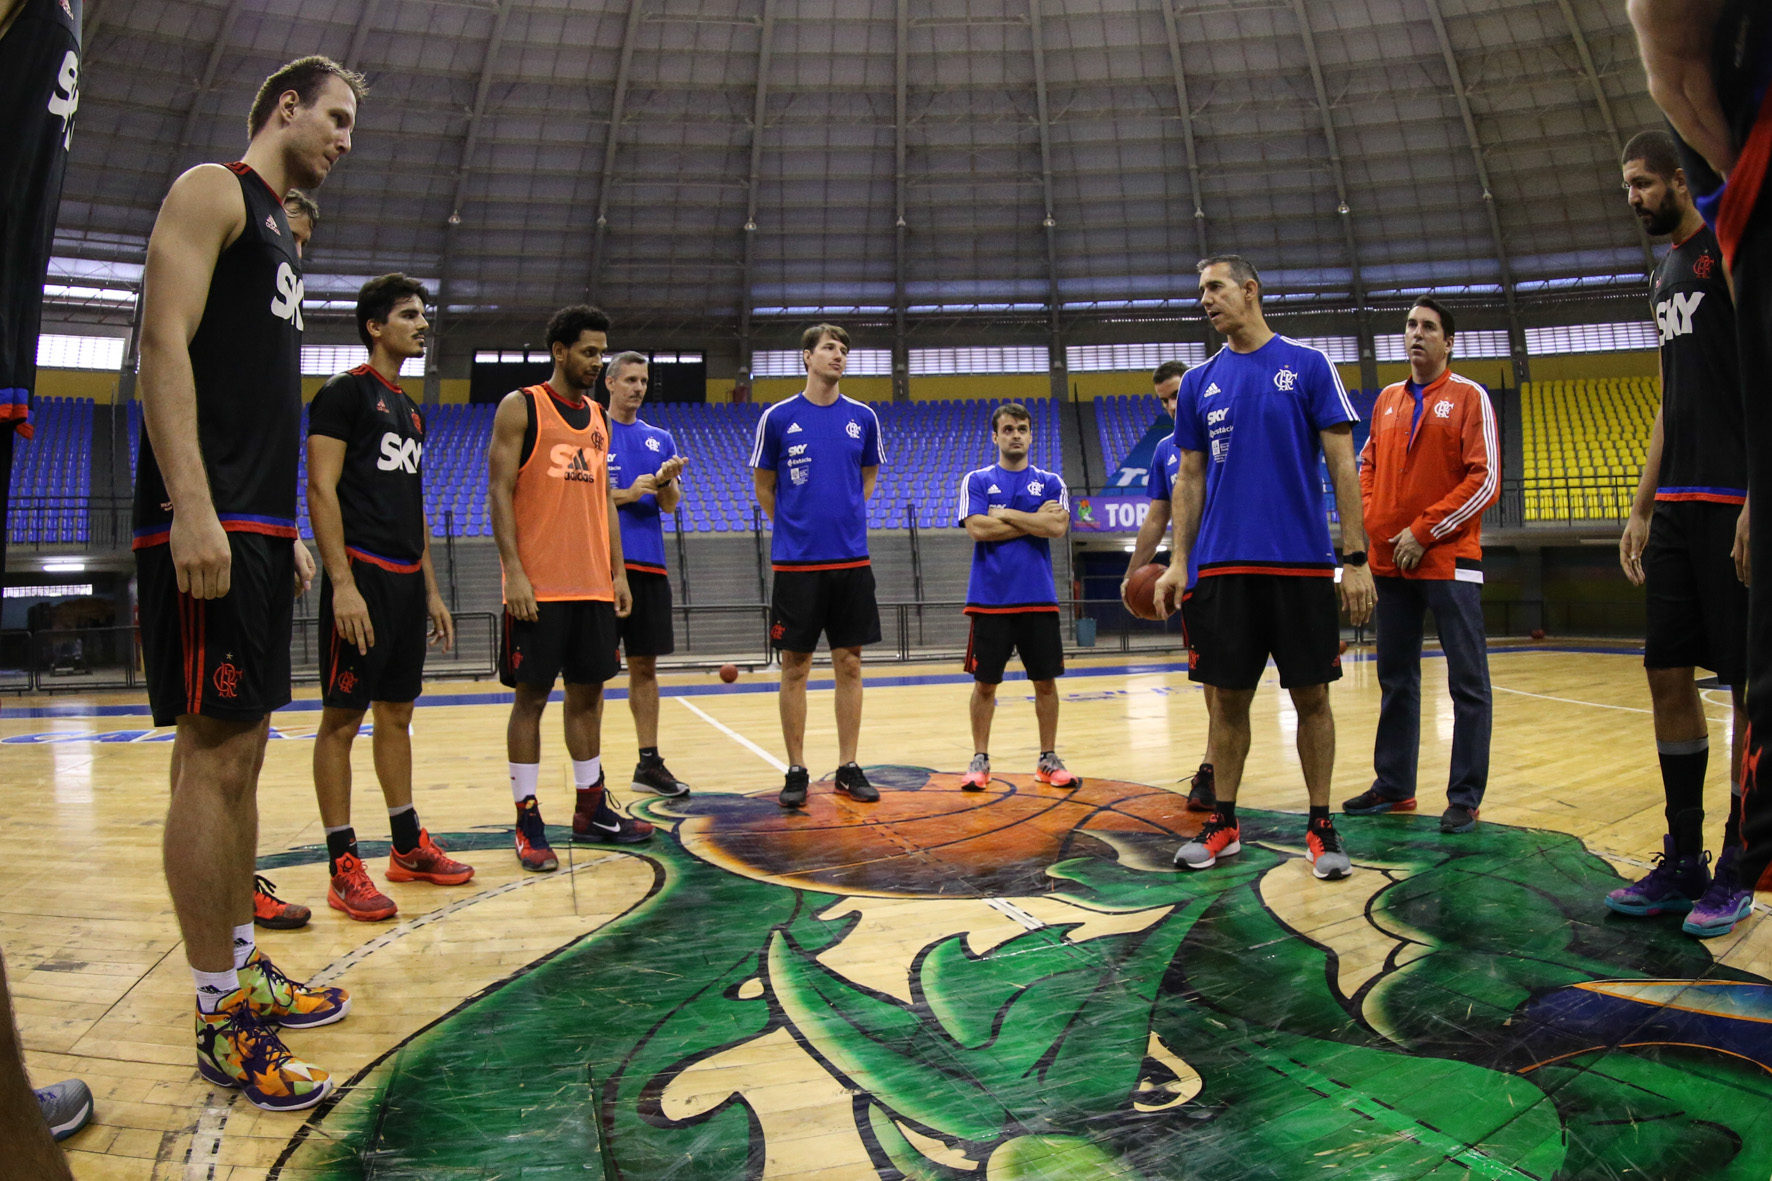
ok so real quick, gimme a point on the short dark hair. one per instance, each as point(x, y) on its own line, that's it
point(570, 323)
point(378, 298)
point(306, 76)
point(297, 202)
point(612, 367)
point(1242, 270)
point(1167, 370)
point(1435, 306)
point(809, 339)
point(1010, 410)
point(1655, 148)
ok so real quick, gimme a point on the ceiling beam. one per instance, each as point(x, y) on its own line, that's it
point(1060, 387)
point(758, 112)
point(901, 389)
point(617, 105)
point(354, 51)
point(217, 49)
point(1187, 124)
point(1605, 106)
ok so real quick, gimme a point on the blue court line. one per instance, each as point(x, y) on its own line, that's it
point(503, 696)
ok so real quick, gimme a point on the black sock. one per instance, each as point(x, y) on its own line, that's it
point(1319, 812)
point(1227, 811)
point(1682, 778)
point(404, 824)
point(339, 842)
point(649, 757)
point(1732, 826)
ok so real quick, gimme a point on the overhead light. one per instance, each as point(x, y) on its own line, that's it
point(64, 567)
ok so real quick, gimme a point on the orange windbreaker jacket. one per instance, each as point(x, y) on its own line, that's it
point(1435, 479)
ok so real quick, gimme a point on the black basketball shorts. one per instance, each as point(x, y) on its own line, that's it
point(225, 658)
point(838, 604)
point(1036, 635)
point(394, 667)
point(1697, 607)
point(1234, 622)
point(647, 629)
point(577, 637)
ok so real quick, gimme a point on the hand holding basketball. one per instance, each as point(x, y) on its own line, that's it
point(1141, 593)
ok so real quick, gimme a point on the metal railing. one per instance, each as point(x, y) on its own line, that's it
point(93, 522)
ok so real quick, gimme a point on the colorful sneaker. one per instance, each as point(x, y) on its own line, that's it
point(352, 892)
point(602, 825)
point(427, 863)
point(1051, 770)
point(1459, 818)
point(658, 780)
point(235, 1048)
point(279, 1000)
point(1726, 903)
point(533, 850)
point(853, 782)
point(1217, 839)
point(1202, 795)
point(271, 912)
point(67, 1107)
point(1671, 887)
point(1370, 803)
point(978, 774)
point(1323, 850)
point(793, 790)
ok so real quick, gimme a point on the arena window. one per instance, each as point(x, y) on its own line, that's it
point(1014, 359)
point(323, 360)
point(80, 352)
point(789, 363)
point(1130, 358)
point(1341, 349)
point(1481, 342)
point(1630, 336)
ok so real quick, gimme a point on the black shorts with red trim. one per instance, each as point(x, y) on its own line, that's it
point(647, 629)
point(394, 667)
point(1234, 622)
point(225, 658)
point(577, 637)
point(1035, 634)
point(1697, 605)
point(834, 600)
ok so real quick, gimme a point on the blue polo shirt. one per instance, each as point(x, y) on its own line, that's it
point(1013, 575)
point(635, 451)
point(817, 454)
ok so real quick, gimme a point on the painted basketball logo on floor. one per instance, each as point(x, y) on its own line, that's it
point(1020, 985)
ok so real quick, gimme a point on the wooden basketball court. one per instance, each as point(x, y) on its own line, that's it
point(1015, 984)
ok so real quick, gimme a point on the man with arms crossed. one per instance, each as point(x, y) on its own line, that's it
point(643, 478)
point(1013, 510)
point(1429, 469)
point(1159, 486)
point(565, 585)
point(814, 464)
point(217, 557)
point(1686, 540)
point(379, 602)
point(1248, 509)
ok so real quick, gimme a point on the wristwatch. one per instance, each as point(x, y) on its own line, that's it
point(1354, 558)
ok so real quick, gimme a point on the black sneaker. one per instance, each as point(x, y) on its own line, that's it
point(793, 792)
point(853, 781)
point(658, 780)
point(1202, 797)
point(1458, 819)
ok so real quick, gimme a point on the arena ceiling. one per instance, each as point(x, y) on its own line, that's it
point(743, 162)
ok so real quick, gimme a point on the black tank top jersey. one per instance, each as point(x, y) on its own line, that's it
point(1703, 452)
point(577, 417)
point(40, 92)
point(381, 489)
point(246, 357)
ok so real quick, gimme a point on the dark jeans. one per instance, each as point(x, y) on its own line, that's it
point(1458, 614)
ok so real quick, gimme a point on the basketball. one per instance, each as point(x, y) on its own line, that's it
point(1538, 633)
point(729, 673)
point(1141, 592)
point(1343, 647)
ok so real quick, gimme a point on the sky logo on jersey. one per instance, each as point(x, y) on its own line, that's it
point(65, 101)
point(1214, 417)
point(1285, 379)
point(1674, 316)
point(797, 449)
point(286, 305)
point(399, 454)
point(570, 464)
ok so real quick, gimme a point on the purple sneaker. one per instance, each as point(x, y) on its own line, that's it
point(1670, 888)
point(1726, 903)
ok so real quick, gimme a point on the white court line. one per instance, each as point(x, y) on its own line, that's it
point(205, 1151)
point(732, 734)
point(1629, 709)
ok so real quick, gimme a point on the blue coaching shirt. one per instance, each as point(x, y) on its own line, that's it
point(635, 451)
point(1159, 484)
point(1257, 417)
point(1013, 575)
point(817, 454)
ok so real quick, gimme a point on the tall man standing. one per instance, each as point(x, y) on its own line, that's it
point(814, 464)
point(217, 557)
point(643, 478)
point(379, 600)
point(1686, 540)
point(1251, 425)
point(565, 585)
point(1430, 467)
point(1012, 511)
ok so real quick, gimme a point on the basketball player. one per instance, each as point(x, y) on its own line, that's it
point(644, 471)
point(566, 587)
point(814, 464)
point(1249, 510)
point(40, 93)
point(379, 602)
point(303, 213)
point(217, 556)
point(1686, 541)
point(1013, 510)
point(1159, 486)
point(1429, 469)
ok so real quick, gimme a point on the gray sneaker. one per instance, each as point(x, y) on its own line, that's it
point(1328, 859)
point(1051, 770)
point(67, 1107)
point(978, 774)
point(1216, 839)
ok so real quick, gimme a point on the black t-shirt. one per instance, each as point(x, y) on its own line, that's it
point(381, 488)
point(1704, 451)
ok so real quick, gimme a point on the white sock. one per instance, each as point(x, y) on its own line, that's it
point(585, 772)
point(393, 812)
point(213, 986)
point(524, 777)
point(243, 944)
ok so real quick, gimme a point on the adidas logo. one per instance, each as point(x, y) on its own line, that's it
point(992, 488)
point(271, 224)
point(794, 429)
point(1210, 390)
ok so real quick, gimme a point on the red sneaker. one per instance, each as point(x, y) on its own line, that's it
point(533, 850)
point(427, 863)
point(352, 892)
point(272, 912)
